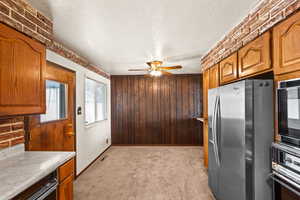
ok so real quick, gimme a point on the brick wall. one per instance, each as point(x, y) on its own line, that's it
point(23, 17)
point(263, 17)
point(11, 131)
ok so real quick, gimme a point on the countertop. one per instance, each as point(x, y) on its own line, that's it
point(21, 170)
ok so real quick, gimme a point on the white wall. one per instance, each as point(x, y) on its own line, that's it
point(91, 140)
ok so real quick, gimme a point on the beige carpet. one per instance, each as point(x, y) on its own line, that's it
point(145, 173)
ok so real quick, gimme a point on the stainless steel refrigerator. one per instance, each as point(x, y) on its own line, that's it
point(241, 124)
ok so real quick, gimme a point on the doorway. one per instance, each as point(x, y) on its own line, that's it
point(54, 130)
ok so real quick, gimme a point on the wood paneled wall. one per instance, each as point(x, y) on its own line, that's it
point(153, 111)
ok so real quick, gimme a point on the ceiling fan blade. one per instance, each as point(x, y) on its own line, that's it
point(171, 67)
point(138, 70)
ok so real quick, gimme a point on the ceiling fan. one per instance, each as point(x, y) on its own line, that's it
point(156, 68)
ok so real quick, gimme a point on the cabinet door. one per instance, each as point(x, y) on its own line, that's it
point(205, 142)
point(65, 190)
point(255, 56)
point(205, 93)
point(228, 69)
point(286, 41)
point(22, 65)
point(214, 76)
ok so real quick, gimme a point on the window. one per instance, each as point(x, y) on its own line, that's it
point(95, 101)
point(56, 101)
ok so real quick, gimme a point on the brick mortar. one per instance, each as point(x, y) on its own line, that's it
point(39, 32)
point(235, 39)
point(10, 122)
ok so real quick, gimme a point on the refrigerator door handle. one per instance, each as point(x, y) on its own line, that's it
point(215, 130)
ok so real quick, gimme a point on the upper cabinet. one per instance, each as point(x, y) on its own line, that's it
point(22, 65)
point(228, 69)
point(205, 93)
point(286, 40)
point(255, 56)
point(214, 76)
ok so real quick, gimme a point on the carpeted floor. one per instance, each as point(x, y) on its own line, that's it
point(145, 173)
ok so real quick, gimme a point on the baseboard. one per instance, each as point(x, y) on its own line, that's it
point(92, 162)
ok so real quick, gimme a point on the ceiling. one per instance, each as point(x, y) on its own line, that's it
point(121, 34)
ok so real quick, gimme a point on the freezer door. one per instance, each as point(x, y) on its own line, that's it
point(232, 142)
point(213, 167)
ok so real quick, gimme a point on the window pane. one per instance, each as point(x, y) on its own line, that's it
point(100, 102)
point(89, 101)
point(95, 101)
point(56, 101)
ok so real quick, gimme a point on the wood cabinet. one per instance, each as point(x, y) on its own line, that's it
point(22, 66)
point(205, 93)
point(228, 69)
point(255, 56)
point(214, 76)
point(66, 176)
point(65, 189)
point(286, 51)
point(206, 83)
point(205, 142)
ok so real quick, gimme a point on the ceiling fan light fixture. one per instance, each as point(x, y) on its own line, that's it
point(155, 73)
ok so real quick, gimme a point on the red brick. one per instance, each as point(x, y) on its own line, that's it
point(4, 129)
point(11, 4)
point(17, 134)
point(35, 35)
point(6, 136)
point(260, 21)
point(10, 22)
point(17, 126)
point(17, 119)
point(17, 141)
point(23, 20)
point(44, 19)
point(4, 145)
point(44, 33)
point(281, 6)
point(269, 24)
point(4, 9)
point(292, 8)
point(5, 121)
point(38, 22)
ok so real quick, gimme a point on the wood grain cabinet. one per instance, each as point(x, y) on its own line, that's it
point(286, 40)
point(255, 56)
point(214, 76)
point(205, 93)
point(228, 69)
point(66, 176)
point(22, 65)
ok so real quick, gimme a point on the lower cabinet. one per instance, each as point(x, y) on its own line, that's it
point(66, 177)
point(65, 189)
point(205, 142)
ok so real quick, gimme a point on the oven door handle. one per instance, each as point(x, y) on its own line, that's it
point(272, 176)
point(45, 194)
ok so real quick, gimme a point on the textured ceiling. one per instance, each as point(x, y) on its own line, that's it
point(122, 34)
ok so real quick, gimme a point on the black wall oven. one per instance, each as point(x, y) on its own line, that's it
point(288, 98)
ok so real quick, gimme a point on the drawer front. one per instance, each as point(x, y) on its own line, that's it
point(66, 170)
point(228, 69)
point(255, 56)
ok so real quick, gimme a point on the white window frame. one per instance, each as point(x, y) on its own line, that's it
point(106, 103)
